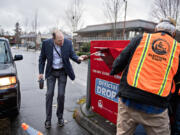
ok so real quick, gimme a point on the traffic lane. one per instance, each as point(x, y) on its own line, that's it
point(33, 100)
point(33, 113)
point(5, 126)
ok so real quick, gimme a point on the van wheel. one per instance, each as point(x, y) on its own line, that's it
point(17, 110)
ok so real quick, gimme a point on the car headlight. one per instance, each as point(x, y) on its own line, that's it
point(4, 81)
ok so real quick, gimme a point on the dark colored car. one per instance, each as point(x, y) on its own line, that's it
point(10, 96)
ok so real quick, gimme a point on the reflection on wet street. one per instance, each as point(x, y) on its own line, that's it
point(33, 99)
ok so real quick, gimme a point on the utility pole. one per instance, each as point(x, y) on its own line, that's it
point(124, 19)
point(75, 17)
point(74, 23)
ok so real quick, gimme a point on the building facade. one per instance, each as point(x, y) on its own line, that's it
point(33, 40)
point(124, 31)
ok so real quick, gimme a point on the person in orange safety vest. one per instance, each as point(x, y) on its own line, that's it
point(150, 66)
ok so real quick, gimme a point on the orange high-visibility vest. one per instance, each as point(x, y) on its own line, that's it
point(154, 64)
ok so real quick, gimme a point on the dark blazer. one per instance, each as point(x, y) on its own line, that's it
point(67, 52)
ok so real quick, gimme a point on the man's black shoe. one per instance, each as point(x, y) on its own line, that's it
point(61, 122)
point(47, 124)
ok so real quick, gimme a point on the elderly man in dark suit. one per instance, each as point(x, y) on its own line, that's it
point(58, 52)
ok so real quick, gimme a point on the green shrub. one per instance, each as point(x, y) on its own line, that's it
point(82, 53)
point(85, 47)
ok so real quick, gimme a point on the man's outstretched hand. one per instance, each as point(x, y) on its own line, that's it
point(83, 57)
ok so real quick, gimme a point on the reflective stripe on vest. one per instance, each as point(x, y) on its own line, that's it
point(168, 68)
point(138, 70)
point(154, 64)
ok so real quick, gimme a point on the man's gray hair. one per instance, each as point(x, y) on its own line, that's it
point(166, 25)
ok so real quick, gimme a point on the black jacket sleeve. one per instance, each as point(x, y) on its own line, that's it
point(123, 59)
point(177, 76)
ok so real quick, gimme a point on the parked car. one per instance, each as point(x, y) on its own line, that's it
point(10, 95)
point(31, 45)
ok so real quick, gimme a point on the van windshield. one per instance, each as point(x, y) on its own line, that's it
point(4, 53)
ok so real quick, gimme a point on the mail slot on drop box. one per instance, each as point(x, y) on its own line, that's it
point(103, 86)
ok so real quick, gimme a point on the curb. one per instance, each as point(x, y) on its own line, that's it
point(93, 123)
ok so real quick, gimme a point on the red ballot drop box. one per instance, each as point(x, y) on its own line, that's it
point(103, 86)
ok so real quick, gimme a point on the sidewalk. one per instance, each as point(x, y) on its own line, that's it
point(25, 49)
point(93, 122)
point(96, 124)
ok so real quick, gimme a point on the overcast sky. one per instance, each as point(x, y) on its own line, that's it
point(51, 13)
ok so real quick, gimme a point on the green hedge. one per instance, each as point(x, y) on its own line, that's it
point(82, 53)
point(84, 49)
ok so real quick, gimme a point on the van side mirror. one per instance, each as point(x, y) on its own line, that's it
point(18, 57)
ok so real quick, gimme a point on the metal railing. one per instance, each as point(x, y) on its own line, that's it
point(88, 39)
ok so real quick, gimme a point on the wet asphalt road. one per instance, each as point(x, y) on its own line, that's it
point(33, 99)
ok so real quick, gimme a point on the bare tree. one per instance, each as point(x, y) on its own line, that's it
point(7, 33)
point(17, 31)
point(74, 15)
point(34, 28)
point(26, 24)
point(112, 10)
point(166, 8)
point(35, 22)
point(2, 32)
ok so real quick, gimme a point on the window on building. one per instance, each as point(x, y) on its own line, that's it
point(131, 34)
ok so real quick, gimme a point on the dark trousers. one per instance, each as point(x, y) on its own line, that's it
point(51, 80)
point(177, 117)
